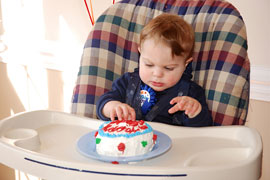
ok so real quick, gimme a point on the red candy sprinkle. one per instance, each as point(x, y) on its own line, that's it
point(96, 133)
point(141, 122)
point(154, 138)
point(121, 147)
point(144, 127)
point(115, 162)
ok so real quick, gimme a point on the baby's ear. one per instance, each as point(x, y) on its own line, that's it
point(188, 61)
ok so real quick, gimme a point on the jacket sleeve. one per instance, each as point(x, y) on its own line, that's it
point(204, 118)
point(117, 93)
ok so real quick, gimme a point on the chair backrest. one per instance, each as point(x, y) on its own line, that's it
point(220, 64)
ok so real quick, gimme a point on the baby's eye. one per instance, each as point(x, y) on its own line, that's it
point(149, 65)
point(169, 68)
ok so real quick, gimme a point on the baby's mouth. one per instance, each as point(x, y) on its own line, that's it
point(157, 84)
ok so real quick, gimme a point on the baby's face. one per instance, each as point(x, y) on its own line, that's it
point(157, 68)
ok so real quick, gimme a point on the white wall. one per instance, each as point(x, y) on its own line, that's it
point(256, 16)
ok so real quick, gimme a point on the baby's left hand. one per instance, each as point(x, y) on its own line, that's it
point(191, 106)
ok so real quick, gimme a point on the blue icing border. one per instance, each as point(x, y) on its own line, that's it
point(102, 133)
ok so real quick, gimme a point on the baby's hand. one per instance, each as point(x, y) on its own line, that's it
point(191, 106)
point(120, 110)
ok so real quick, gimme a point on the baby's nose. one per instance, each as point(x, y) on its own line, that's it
point(157, 72)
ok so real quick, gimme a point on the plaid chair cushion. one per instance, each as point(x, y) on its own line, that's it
point(220, 65)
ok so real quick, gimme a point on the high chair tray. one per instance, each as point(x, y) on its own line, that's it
point(43, 143)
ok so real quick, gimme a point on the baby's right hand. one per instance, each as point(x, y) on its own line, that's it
point(120, 110)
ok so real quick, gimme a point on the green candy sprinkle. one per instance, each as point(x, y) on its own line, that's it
point(144, 143)
point(98, 140)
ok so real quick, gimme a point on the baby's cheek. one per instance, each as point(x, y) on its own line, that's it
point(172, 80)
point(145, 77)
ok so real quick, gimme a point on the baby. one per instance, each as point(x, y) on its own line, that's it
point(161, 89)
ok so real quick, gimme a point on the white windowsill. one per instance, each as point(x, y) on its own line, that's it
point(260, 83)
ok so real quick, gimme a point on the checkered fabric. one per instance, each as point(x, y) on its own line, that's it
point(220, 65)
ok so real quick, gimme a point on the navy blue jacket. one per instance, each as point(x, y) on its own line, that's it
point(126, 89)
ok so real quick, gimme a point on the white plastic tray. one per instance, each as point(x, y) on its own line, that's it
point(231, 152)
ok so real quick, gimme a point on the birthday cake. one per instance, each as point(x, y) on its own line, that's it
point(124, 138)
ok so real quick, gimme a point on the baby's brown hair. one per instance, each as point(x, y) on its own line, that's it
point(172, 30)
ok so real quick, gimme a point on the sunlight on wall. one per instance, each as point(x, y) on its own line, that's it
point(68, 51)
point(69, 80)
point(32, 49)
point(30, 39)
point(30, 84)
point(69, 61)
point(23, 29)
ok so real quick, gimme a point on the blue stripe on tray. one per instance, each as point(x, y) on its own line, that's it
point(104, 173)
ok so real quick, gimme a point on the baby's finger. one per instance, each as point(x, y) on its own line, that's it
point(112, 115)
point(175, 100)
point(189, 107)
point(132, 114)
point(119, 113)
point(182, 104)
point(125, 113)
point(198, 110)
point(194, 108)
point(173, 109)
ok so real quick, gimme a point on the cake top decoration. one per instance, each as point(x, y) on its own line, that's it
point(124, 128)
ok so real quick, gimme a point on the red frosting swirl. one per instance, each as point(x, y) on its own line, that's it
point(130, 127)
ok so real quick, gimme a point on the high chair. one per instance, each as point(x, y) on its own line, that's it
point(45, 143)
point(220, 61)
